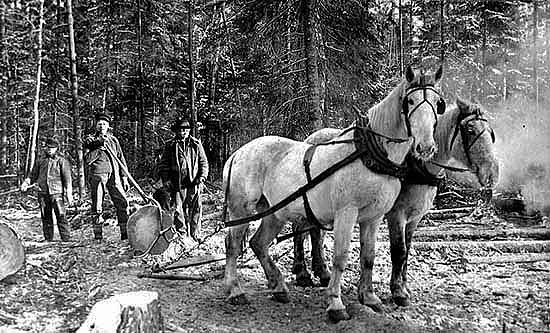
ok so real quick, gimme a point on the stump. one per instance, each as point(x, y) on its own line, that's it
point(12, 253)
point(135, 312)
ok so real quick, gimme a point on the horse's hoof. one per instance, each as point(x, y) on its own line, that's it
point(304, 281)
point(238, 300)
point(338, 315)
point(377, 307)
point(281, 297)
point(401, 301)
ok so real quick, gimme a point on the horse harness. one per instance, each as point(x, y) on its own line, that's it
point(368, 149)
point(438, 109)
point(418, 174)
point(372, 154)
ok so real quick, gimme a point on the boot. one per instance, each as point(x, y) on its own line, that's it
point(123, 232)
point(98, 227)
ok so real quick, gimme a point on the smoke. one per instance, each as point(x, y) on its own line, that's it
point(523, 151)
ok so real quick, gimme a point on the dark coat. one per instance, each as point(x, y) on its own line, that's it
point(195, 159)
point(95, 149)
point(53, 175)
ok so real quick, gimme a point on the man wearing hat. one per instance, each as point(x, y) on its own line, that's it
point(52, 174)
point(104, 161)
point(182, 168)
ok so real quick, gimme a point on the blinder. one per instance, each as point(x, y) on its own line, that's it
point(441, 106)
point(492, 135)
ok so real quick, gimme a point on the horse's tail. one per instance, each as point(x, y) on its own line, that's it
point(227, 185)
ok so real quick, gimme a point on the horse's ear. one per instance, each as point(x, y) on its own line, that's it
point(439, 73)
point(462, 105)
point(409, 74)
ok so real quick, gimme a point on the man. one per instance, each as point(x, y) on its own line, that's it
point(52, 173)
point(182, 168)
point(104, 163)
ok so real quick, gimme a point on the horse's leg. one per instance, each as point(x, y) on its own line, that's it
point(299, 268)
point(368, 231)
point(318, 256)
point(268, 230)
point(397, 222)
point(409, 231)
point(343, 226)
point(233, 248)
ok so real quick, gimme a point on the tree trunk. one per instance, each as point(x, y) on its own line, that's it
point(483, 55)
point(477, 246)
point(309, 23)
point(126, 313)
point(192, 107)
point(34, 135)
point(141, 110)
point(534, 53)
point(77, 126)
point(236, 90)
point(400, 38)
point(4, 99)
point(441, 29)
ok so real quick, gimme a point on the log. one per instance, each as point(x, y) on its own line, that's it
point(172, 277)
point(513, 258)
point(500, 246)
point(465, 209)
point(125, 313)
point(195, 261)
point(540, 233)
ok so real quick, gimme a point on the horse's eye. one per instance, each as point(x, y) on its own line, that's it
point(411, 101)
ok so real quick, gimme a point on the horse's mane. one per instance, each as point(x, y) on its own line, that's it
point(445, 127)
point(385, 116)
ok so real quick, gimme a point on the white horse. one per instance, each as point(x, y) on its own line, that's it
point(463, 136)
point(268, 169)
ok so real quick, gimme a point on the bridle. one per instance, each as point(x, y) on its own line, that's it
point(467, 140)
point(438, 109)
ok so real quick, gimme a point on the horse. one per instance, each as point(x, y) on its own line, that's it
point(472, 149)
point(268, 169)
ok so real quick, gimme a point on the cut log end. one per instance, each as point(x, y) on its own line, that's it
point(125, 313)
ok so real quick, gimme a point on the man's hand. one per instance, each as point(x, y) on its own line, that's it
point(125, 184)
point(25, 185)
point(199, 180)
point(167, 184)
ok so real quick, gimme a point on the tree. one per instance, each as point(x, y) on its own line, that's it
point(74, 102)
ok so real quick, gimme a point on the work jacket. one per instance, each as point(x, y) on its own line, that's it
point(53, 175)
point(96, 153)
point(195, 163)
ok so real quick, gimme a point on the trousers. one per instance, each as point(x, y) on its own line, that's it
point(105, 182)
point(53, 203)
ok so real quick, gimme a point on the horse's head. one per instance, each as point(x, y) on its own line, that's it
point(422, 101)
point(478, 141)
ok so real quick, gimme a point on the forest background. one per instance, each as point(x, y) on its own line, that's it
point(242, 69)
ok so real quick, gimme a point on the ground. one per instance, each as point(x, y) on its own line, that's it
point(60, 282)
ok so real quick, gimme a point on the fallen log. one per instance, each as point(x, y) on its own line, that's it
point(195, 261)
point(125, 313)
point(532, 246)
point(171, 277)
point(540, 233)
point(465, 209)
point(515, 258)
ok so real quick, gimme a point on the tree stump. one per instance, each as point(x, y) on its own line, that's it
point(12, 253)
point(134, 312)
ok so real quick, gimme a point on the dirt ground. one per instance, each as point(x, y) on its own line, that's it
point(60, 283)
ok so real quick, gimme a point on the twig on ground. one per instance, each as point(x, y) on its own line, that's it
point(172, 277)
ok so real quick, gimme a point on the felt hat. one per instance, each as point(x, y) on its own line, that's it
point(102, 116)
point(180, 123)
point(52, 142)
point(12, 253)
